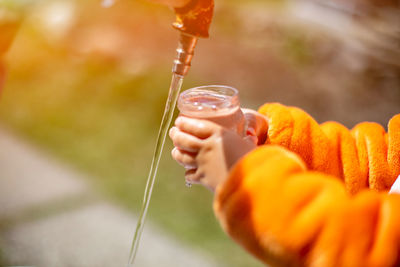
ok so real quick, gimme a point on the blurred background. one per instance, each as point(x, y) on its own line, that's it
point(84, 95)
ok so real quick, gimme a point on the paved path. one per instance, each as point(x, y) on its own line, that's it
point(49, 216)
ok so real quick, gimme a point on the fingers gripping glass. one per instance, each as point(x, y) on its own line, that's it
point(217, 103)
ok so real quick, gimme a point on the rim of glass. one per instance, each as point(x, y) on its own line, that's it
point(222, 89)
point(225, 97)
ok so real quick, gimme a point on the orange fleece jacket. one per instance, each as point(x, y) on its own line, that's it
point(316, 195)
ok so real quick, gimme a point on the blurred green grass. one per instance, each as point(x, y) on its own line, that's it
point(103, 121)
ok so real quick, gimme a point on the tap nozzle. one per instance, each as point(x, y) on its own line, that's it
point(185, 53)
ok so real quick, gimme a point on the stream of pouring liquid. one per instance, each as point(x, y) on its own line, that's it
point(176, 85)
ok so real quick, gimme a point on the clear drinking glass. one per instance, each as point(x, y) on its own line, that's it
point(216, 103)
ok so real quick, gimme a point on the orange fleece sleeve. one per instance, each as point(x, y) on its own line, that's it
point(290, 209)
point(365, 157)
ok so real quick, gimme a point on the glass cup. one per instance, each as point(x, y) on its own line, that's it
point(216, 103)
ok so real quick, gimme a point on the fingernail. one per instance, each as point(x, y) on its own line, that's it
point(178, 120)
point(251, 131)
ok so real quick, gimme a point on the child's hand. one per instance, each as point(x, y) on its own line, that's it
point(206, 150)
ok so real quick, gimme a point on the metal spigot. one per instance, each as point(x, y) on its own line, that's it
point(193, 21)
point(184, 54)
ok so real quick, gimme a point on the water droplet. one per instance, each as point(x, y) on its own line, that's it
point(107, 3)
point(196, 103)
point(214, 107)
point(188, 184)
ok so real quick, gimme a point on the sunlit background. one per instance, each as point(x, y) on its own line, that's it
point(86, 89)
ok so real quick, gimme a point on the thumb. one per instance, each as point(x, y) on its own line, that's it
point(251, 118)
point(251, 139)
point(257, 125)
